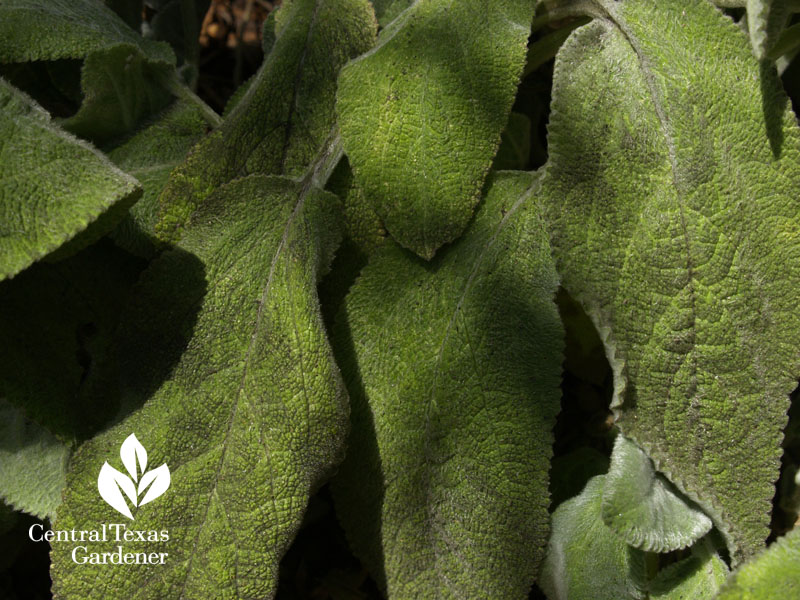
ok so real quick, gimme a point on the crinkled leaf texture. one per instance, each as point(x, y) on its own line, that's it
point(251, 418)
point(765, 20)
point(773, 575)
point(34, 464)
point(454, 368)
point(641, 507)
point(286, 117)
point(53, 186)
point(585, 559)
point(122, 70)
point(421, 114)
point(698, 577)
point(672, 198)
point(51, 29)
point(150, 156)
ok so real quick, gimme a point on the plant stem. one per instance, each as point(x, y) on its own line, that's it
point(178, 88)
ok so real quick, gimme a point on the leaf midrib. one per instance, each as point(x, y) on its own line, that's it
point(236, 400)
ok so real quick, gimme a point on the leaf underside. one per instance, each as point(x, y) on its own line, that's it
point(249, 420)
point(422, 113)
point(454, 398)
point(672, 198)
point(643, 509)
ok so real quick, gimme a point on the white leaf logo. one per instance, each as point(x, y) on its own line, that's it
point(112, 483)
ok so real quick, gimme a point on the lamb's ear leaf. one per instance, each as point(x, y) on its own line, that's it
point(421, 114)
point(642, 507)
point(454, 372)
point(698, 577)
point(286, 117)
point(178, 23)
point(122, 73)
point(55, 186)
point(251, 418)
point(585, 559)
point(150, 156)
point(672, 201)
point(773, 574)
point(34, 464)
point(121, 86)
point(52, 29)
point(765, 21)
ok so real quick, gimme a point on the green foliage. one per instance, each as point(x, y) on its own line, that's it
point(453, 370)
point(421, 113)
point(187, 294)
point(253, 414)
point(641, 508)
point(286, 117)
point(672, 185)
point(54, 185)
point(774, 574)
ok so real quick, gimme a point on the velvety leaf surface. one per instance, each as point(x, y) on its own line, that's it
point(34, 464)
point(642, 508)
point(53, 185)
point(672, 197)
point(121, 73)
point(121, 86)
point(248, 421)
point(150, 156)
point(765, 19)
point(585, 559)
point(387, 11)
point(50, 29)
point(698, 577)
point(421, 114)
point(287, 115)
point(454, 372)
point(773, 575)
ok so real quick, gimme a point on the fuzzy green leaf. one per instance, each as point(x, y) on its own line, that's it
point(672, 197)
point(122, 71)
point(250, 419)
point(421, 114)
point(286, 116)
point(765, 20)
point(643, 509)
point(150, 156)
point(34, 464)
point(53, 186)
point(454, 397)
point(121, 86)
point(51, 29)
point(698, 577)
point(387, 11)
point(585, 559)
point(773, 575)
